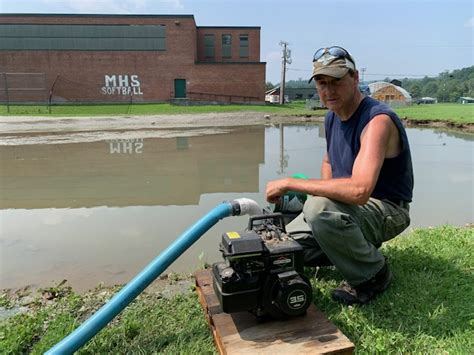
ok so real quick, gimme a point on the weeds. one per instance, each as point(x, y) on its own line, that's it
point(428, 309)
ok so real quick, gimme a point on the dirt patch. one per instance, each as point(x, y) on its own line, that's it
point(465, 127)
point(31, 124)
point(29, 299)
point(20, 130)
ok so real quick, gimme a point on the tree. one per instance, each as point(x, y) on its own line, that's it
point(431, 89)
point(416, 91)
point(446, 87)
point(269, 86)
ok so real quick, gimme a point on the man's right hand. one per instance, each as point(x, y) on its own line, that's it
point(276, 189)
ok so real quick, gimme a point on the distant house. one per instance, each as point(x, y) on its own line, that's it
point(427, 100)
point(466, 100)
point(291, 94)
point(301, 93)
point(273, 95)
point(389, 93)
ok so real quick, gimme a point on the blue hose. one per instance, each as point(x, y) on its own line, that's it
point(128, 293)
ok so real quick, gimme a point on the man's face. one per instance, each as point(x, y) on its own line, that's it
point(337, 94)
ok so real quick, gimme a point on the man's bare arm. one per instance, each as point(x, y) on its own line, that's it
point(357, 188)
point(326, 170)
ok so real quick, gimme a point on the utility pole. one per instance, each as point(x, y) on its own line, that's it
point(286, 59)
point(363, 71)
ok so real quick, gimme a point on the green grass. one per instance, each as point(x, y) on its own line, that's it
point(148, 325)
point(152, 109)
point(457, 113)
point(427, 310)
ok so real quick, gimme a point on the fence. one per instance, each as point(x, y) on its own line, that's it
point(221, 98)
point(24, 88)
point(20, 89)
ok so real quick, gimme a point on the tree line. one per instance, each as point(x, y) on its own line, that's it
point(446, 87)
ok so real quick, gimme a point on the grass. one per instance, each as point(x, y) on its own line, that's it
point(456, 113)
point(150, 324)
point(427, 310)
point(152, 109)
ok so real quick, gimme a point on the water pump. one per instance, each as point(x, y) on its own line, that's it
point(262, 271)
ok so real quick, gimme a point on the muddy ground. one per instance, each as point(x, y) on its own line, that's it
point(29, 299)
point(17, 130)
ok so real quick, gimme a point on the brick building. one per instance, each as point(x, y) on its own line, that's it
point(127, 58)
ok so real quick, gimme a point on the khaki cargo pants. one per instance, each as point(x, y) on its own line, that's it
point(348, 236)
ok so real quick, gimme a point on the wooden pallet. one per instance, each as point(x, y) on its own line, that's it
point(239, 333)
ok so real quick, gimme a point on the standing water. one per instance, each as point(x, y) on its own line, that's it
point(100, 211)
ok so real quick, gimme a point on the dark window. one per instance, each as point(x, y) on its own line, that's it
point(226, 46)
point(82, 37)
point(244, 46)
point(209, 46)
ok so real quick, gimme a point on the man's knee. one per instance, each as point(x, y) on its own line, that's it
point(326, 217)
point(315, 207)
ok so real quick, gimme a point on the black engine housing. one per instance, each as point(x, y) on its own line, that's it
point(263, 271)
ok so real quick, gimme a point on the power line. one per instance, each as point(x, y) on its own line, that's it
point(306, 70)
point(366, 73)
point(420, 75)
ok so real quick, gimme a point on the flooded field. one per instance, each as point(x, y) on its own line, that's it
point(101, 210)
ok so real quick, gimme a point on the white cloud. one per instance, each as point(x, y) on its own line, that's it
point(469, 23)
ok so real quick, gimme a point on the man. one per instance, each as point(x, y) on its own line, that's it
point(362, 198)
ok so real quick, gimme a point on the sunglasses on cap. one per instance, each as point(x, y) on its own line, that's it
point(327, 55)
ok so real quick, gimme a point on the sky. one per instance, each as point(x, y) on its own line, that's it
point(394, 39)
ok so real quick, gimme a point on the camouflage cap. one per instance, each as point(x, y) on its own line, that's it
point(335, 67)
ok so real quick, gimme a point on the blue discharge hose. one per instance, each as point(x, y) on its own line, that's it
point(127, 294)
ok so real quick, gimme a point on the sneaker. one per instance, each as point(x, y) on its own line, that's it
point(365, 292)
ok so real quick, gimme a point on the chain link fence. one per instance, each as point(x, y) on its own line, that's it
point(30, 93)
point(23, 89)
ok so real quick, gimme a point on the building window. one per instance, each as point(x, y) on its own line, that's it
point(226, 46)
point(209, 46)
point(244, 46)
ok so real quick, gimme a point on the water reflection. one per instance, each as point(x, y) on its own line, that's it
point(130, 172)
point(101, 211)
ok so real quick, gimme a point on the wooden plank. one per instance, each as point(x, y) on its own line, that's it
point(239, 333)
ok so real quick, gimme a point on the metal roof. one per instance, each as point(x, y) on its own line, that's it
point(381, 84)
